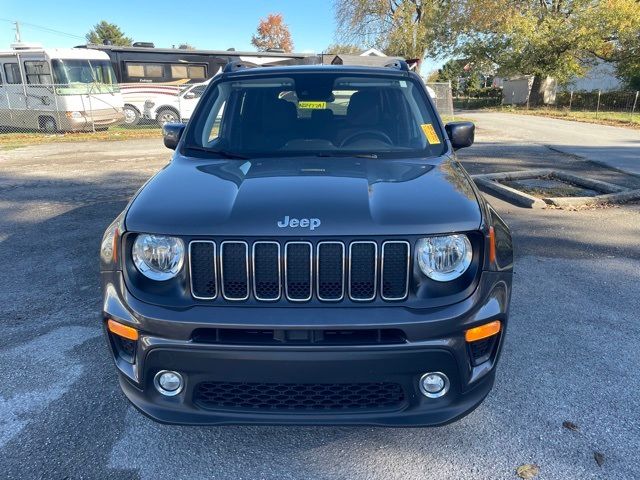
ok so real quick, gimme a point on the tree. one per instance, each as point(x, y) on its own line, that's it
point(107, 32)
point(271, 33)
point(406, 28)
point(344, 48)
point(557, 38)
point(186, 46)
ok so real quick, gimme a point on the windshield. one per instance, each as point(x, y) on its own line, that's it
point(84, 74)
point(317, 114)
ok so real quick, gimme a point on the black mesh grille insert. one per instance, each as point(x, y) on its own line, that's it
point(323, 397)
point(395, 256)
point(234, 270)
point(266, 264)
point(203, 272)
point(362, 279)
point(330, 271)
point(298, 271)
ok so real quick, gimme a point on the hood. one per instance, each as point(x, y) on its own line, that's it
point(305, 196)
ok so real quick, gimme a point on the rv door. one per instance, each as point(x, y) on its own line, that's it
point(14, 91)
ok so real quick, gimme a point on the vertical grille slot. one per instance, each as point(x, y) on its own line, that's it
point(202, 269)
point(395, 270)
point(363, 270)
point(297, 271)
point(234, 274)
point(266, 271)
point(330, 271)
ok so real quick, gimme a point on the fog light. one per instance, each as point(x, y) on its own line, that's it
point(168, 383)
point(434, 384)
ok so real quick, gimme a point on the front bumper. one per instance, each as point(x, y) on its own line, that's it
point(434, 342)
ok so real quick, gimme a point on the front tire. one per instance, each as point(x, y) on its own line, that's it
point(131, 116)
point(166, 115)
point(48, 125)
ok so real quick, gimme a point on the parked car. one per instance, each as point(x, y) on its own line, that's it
point(178, 108)
point(313, 254)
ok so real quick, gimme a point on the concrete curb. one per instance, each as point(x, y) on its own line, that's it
point(611, 193)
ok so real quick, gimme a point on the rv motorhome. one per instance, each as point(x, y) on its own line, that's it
point(58, 89)
point(155, 79)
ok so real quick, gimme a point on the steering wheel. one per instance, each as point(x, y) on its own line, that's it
point(365, 133)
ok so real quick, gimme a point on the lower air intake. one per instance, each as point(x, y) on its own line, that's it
point(302, 397)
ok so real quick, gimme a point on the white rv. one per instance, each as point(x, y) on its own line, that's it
point(58, 89)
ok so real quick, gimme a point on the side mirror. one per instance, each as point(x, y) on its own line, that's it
point(461, 134)
point(189, 95)
point(171, 133)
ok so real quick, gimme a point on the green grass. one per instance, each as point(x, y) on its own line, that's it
point(13, 140)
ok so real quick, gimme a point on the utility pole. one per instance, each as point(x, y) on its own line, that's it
point(17, 28)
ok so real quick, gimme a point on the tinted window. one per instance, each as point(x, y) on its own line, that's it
point(12, 73)
point(310, 114)
point(38, 73)
point(192, 72)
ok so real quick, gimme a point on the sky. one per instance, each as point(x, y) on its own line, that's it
point(212, 24)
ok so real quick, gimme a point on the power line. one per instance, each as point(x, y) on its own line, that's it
point(44, 29)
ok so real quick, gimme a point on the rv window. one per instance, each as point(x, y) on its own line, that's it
point(193, 72)
point(12, 73)
point(38, 73)
point(141, 70)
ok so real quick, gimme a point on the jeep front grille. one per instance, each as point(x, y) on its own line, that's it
point(298, 271)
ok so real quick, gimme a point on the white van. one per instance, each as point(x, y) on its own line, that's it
point(58, 89)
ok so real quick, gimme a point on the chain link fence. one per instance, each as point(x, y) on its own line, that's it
point(54, 109)
point(442, 96)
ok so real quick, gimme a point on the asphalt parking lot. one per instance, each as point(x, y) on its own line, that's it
point(572, 350)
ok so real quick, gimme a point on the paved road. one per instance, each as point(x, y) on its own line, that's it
point(616, 147)
point(572, 350)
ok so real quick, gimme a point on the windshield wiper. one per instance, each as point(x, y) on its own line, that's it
point(222, 153)
point(346, 154)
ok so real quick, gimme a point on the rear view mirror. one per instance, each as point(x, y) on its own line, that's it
point(171, 133)
point(461, 134)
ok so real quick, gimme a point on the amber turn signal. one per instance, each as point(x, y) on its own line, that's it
point(122, 330)
point(492, 245)
point(483, 331)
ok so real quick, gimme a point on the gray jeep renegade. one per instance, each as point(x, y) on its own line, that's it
point(313, 254)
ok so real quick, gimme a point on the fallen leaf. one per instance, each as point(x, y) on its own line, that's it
point(570, 426)
point(528, 470)
point(599, 457)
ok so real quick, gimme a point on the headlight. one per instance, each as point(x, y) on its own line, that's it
point(444, 258)
point(158, 257)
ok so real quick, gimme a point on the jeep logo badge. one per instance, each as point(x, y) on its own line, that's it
point(310, 223)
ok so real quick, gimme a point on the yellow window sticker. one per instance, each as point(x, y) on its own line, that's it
point(312, 105)
point(430, 133)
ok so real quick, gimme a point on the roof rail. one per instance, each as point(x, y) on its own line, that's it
point(399, 64)
point(235, 66)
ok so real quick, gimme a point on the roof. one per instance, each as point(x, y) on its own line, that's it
point(64, 53)
point(233, 53)
point(367, 60)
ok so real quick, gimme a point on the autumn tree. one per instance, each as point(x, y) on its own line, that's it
point(272, 33)
point(109, 33)
point(557, 38)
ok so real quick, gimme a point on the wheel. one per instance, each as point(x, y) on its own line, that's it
point(131, 115)
point(167, 115)
point(48, 125)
